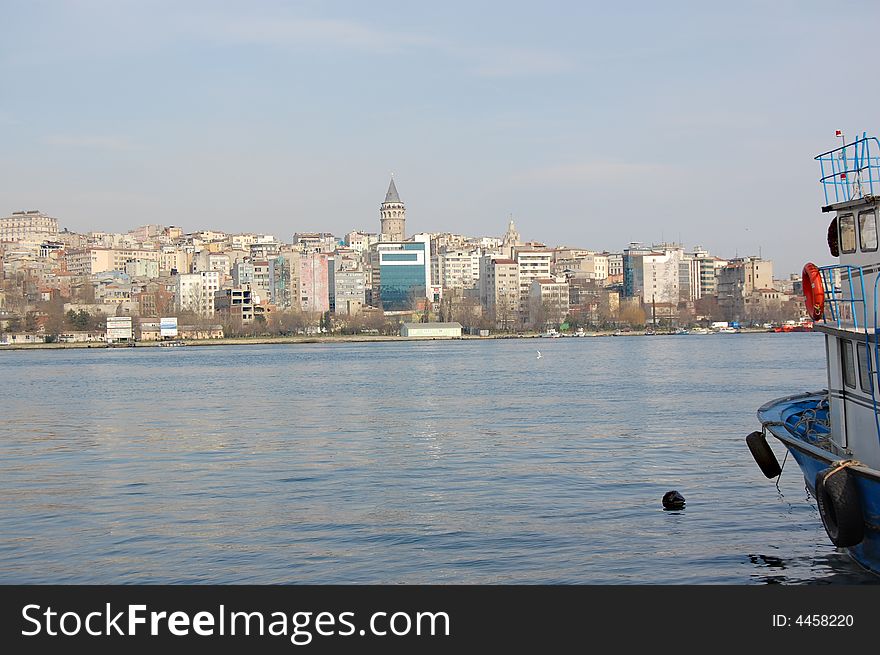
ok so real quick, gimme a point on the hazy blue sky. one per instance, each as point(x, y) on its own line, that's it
point(593, 123)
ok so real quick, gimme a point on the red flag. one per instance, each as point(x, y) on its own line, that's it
point(843, 176)
point(838, 133)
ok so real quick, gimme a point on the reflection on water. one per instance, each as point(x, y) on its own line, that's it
point(428, 462)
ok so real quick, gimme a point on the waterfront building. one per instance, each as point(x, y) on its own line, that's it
point(195, 292)
point(234, 305)
point(434, 330)
point(548, 302)
point(702, 274)
point(28, 226)
point(499, 289)
point(457, 269)
point(347, 283)
point(253, 275)
point(392, 215)
point(314, 282)
point(737, 281)
point(282, 289)
point(652, 274)
point(404, 278)
point(532, 263)
point(153, 299)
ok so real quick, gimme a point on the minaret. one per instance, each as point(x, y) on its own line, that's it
point(510, 239)
point(393, 215)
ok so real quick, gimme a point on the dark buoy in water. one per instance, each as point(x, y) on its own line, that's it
point(673, 500)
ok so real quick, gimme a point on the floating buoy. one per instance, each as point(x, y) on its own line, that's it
point(764, 457)
point(838, 498)
point(673, 500)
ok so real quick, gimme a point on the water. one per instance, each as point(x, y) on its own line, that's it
point(407, 462)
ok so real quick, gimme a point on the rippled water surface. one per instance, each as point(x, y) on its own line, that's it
point(407, 462)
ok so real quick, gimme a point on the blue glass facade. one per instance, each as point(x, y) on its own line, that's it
point(402, 276)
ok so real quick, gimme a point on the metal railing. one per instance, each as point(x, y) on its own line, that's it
point(850, 171)
point(844, 310)
point(845, 313)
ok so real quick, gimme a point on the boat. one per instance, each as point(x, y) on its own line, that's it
point(171, 344)
point(805, 327)
point(834, 434)
point(729, 330)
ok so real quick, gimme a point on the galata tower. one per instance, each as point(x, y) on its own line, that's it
point(393, 216)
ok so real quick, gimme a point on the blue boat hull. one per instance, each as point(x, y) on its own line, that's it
point(783, 419)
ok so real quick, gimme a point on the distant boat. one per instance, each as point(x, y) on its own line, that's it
point(681, 331)
point(729, 330)
point(539, 355)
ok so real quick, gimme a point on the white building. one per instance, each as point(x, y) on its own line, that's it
point(195, 292)
point(653, 274)
point(548, 301)
point(499, 290)
point(29, 226)
point(431, 330)
point(531, 264)
point(458, 269)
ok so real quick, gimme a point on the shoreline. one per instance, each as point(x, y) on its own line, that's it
point(352, 338)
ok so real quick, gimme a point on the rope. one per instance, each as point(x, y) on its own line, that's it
point(781, 469)
point(839, 466)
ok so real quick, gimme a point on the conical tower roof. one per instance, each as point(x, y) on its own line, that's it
point(392, 196)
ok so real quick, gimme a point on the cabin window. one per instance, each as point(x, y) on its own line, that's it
point(864, 371)
point(846, 363)
point(868, 231)
point(847, 233)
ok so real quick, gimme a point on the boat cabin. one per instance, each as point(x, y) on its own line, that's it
point(846, 305)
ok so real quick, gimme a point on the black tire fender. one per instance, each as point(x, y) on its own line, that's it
point(764, 457)
point(839, 506)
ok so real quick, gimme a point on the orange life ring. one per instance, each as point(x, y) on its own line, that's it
point(814, 291)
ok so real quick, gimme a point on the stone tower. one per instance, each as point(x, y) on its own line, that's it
point(393, 216)
point(510, 239)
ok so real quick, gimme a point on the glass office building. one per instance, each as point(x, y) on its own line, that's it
point(404, 274)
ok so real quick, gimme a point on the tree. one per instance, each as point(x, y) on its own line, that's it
point(85, 293)
point(54, 323)
point(632, 315)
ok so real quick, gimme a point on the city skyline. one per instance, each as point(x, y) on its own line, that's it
point(593, 126)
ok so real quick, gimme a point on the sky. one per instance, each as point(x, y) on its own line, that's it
point(592, 124)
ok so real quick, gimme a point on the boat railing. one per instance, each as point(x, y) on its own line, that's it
point(846, 310)
point(851, 171)
point(850, 311)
